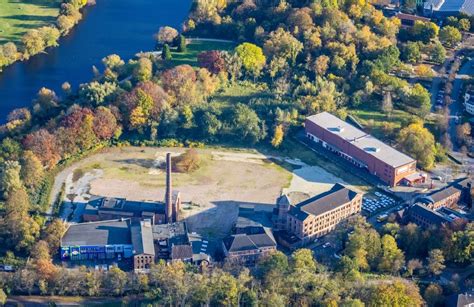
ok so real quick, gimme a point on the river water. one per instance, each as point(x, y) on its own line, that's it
point(124, 27)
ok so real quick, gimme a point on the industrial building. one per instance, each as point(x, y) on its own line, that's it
point(116, 228)
point(315, 217)
point(361, 149)
point(251, 238)
point(108, 208)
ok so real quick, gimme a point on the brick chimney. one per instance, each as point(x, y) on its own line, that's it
point(169, 192)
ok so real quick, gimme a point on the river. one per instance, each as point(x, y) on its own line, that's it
point(124, 27)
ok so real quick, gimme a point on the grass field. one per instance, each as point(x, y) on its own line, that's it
point(196, 47)
point(18, 16)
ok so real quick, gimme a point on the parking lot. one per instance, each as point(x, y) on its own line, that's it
point(377, 202)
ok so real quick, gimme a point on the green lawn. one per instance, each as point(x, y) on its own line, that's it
point(196, 47)
point(374, 120)
point(18, 16)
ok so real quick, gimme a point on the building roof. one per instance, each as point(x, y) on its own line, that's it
point(432, 216)
point(176, 233)
point(98, 233)
point(451, 6)
point(403, 16)
point(182, 251)
point(135, 208)
point(324, 202)
point(245, 242)
point(142, 238)
point(360, 139)
point(443, 193)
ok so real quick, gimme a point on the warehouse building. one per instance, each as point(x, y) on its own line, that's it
point(361, 149)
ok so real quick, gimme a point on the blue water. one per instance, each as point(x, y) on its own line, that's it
point(124, 27)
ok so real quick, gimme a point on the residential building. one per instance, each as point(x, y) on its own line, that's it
point(445, 8)
point(250, 239)
point(360, 148)
point(316, 216)
point(461, 300)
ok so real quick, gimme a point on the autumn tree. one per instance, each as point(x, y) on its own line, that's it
point(166, 35)
point(53, 234)
point(20, 229)
point(278, 134)
point(10, 177)
point(188, 162)
point(418, 142)
point(115, 281)
point(32, 171)
point(392, 258)
point(43, 145)
point(433, 295)
point(212, 60)
point(397, 293)
point(436, 261)
point(252, 57)
point(143, 70)
point(281, 44)
point(450, 36)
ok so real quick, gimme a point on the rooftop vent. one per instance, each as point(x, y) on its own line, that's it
point(372, 149)
point(337, 129)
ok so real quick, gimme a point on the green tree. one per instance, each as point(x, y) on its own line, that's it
point(450, 36)
point(9, 149)
point(182, 44)
point(437, 53)
point(425, 31)
point(252, 57)
point(166, 53)
point(247, 125)
point(462, 250)
point(418, 142)
point(417, 100)
point(10, 177)
point(411, 52)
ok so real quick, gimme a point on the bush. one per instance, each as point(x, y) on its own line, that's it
point(187, 162)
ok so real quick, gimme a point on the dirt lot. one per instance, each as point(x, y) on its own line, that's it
point(211, 194)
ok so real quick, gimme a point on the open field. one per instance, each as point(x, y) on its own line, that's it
point(17, 17)
point(211, 195)
point(194, 48)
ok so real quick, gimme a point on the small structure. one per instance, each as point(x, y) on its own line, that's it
point(316, 216)
point(359, 148)
point(250, 239)
point(461, 300)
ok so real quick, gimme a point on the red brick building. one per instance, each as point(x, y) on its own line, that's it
point(360, 148)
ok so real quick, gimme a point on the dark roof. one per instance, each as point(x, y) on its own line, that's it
point(142, 238)
point(98, 233)
point(183, 251)
point(432, 216)
point(324, 202)
point(244, 242)
point(443, 193)
point(123, 205)
point(411, 17)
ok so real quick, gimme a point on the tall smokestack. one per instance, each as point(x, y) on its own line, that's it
point(168, 196)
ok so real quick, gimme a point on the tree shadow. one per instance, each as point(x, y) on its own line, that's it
point(147, 163)
point(25, 17)
point(42, 3)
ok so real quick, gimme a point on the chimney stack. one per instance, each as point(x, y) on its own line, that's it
point(168, 196)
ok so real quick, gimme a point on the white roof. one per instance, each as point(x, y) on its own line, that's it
point(361, 140)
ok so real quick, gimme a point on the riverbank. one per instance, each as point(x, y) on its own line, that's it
point(28, 29)
point(36, 300)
